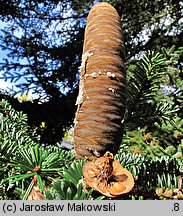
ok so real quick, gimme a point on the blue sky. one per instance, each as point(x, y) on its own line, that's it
point(3, 84)
point(6, 85)
point(3, 53)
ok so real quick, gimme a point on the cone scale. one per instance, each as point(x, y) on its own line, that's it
point(101, 100)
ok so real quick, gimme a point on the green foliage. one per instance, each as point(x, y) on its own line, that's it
point(173, 81)
point(145, 100)
point(151, 174)
point(67, 191)
point(36, 161)
point(21, 158)
point(71, 187)
point(73, 173)
point(154, 136)
point(161, 140)
point(154, 101)
point(14, 132)
point(26, 163)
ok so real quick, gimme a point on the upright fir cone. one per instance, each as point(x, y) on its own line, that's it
point(101, 99)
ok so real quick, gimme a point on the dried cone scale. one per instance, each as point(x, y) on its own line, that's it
point(107, 176)
point(101, 99)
